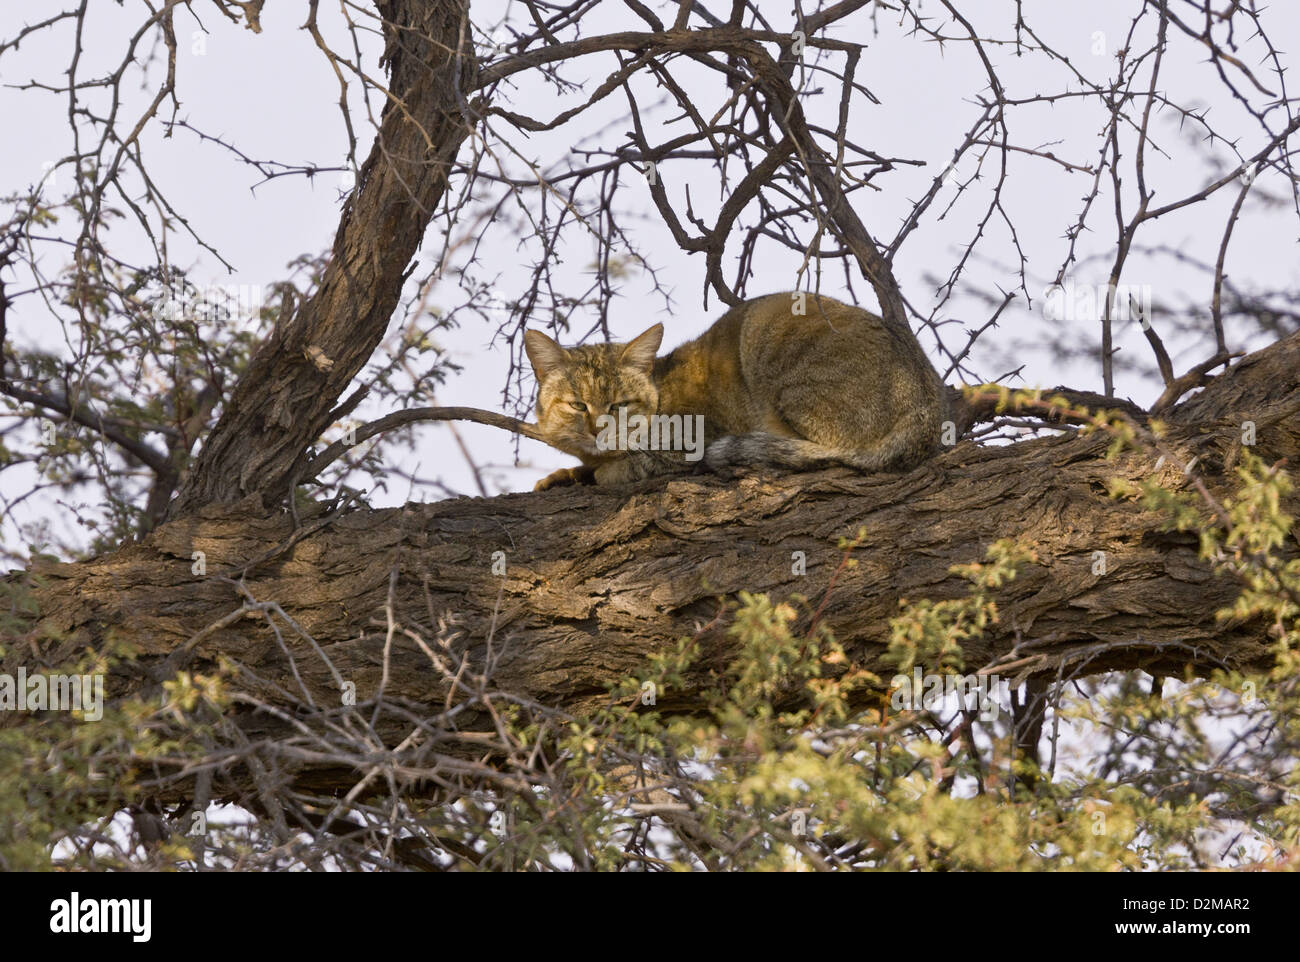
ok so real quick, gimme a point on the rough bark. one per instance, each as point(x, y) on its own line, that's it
point(597, 578)
point(287, 396)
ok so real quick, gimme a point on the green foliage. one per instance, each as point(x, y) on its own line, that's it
point(931, 633)
point(66, 782)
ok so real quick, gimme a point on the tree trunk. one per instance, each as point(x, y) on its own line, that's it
point(286, 398)
point(595, 579)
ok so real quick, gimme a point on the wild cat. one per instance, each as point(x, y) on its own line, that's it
point(775, 386)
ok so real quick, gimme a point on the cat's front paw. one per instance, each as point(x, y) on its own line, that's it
point(565, 476)
point(620, 471)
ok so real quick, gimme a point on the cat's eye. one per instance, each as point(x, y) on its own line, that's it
point(620, 404)
point(577, 405)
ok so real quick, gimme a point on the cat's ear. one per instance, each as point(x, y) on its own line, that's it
point(640, 352)
point(544, 354)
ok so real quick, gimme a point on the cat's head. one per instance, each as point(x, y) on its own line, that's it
point(576, 385)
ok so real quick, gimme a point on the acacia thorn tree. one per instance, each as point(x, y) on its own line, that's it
point(1067, 641)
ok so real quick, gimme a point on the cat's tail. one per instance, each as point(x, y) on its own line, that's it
point(904, 447)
